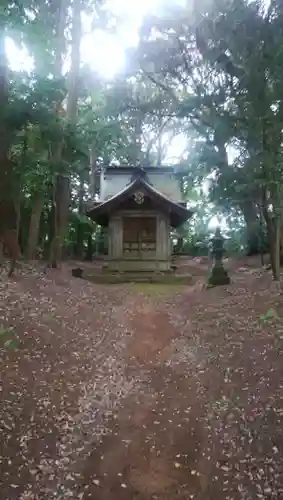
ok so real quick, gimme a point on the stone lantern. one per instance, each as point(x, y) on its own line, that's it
point(219, 275)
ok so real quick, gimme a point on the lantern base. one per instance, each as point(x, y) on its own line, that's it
point(219, 276)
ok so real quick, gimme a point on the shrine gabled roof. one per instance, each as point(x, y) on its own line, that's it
point(121, 169)
point(100, 211)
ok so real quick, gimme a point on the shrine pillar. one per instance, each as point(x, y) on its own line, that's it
point(115, 238)
point(163, 246)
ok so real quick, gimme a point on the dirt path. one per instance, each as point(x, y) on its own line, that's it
point(154, 448)
point(206, 423)
point(112, 392)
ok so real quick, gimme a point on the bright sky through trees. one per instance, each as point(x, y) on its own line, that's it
point(104, 52)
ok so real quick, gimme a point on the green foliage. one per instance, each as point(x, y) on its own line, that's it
point(7, 340)
point(5, 331)
point(10, 344)
point(221, 67)
point(212, 74)
point(269, 316)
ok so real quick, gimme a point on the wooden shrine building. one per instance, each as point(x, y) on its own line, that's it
point(139, 206)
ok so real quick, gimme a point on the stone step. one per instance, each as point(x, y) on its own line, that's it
point(140, 277)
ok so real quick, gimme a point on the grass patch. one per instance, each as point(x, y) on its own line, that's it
point(4, 331)
point(7, 340)
point(50, 314)
point(271, 315)
point(142, 278)
point(156, 289)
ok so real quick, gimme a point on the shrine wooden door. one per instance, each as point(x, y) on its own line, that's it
point(139, 236)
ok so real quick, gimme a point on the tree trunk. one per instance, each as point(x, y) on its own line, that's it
point(89, 251)
point(34, 228)
point(261, 236)
point(62, 196)
point(73, 86)
point(159, 142)
point(159, 151)
point(50, 221)
point(60, 13)
point(281, 244)
point(59, 8)
point(8, 215)
point(62, 191)
point(252, 227)
point(273, 224)
point(18, 213)
point(80, 227)
point(275, 248)
point(137, 146)
point(4, 144)
point(92, 172)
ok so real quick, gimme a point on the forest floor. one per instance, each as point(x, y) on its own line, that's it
point(141, 391)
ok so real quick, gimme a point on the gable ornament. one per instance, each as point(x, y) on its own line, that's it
point(139, 197)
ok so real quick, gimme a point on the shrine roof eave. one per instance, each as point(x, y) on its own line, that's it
point(100, 212)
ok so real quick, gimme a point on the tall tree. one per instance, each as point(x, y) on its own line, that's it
point(221, 68)
point(62, 183)
point(8, 214)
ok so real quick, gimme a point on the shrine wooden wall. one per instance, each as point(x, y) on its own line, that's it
point(140, 237)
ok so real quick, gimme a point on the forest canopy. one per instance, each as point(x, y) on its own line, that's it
point(197, 85)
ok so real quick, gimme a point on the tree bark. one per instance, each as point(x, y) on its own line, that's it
point(4, 144)
point(159, 144)
point(60, 13)
point(62, 196)
point(252, 227)
point(80, 228)
point(92, 172)
point(273, 224)
point(62, 189)
point(34, 228)
point(49, 232)
point(18, 215)
point(137, 146)
point(281, 245)
point(275, 248)
point(8, 215)
point(73, 86)
point(261, 239)
point(89, 251)
point(277, 233)
point(6, 166)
